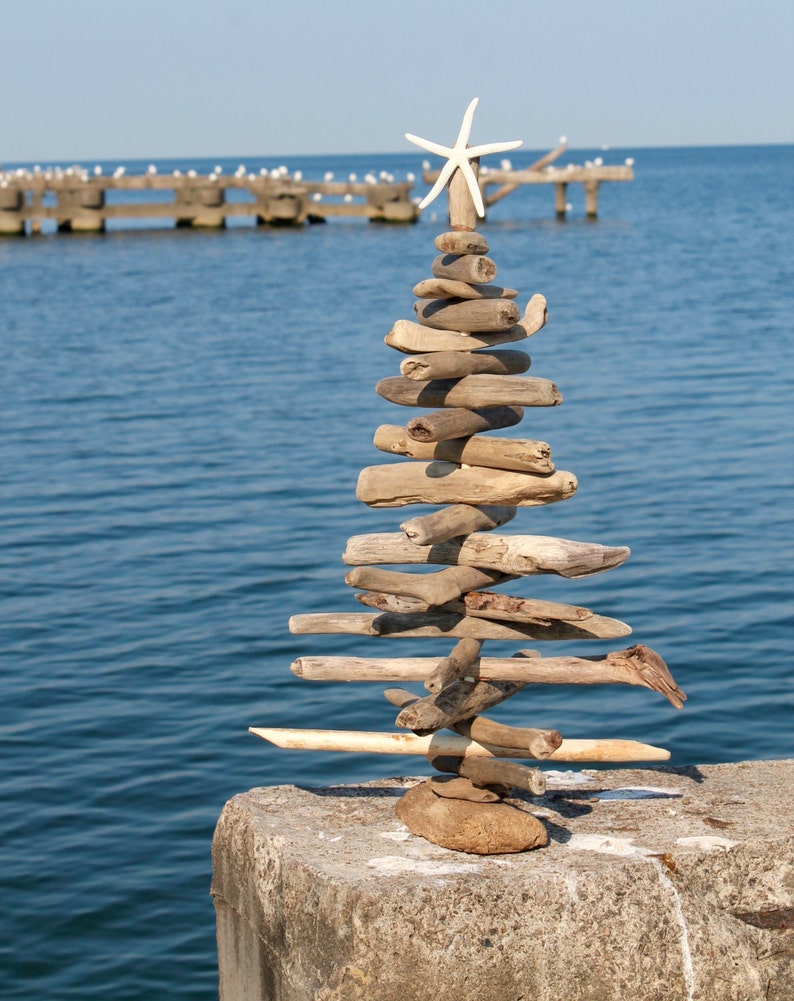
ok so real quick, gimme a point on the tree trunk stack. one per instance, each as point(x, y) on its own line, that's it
point(462, 385)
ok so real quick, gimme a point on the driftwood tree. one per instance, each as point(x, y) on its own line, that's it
point(453, 362)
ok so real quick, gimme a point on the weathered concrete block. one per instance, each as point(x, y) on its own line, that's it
point(656, 884)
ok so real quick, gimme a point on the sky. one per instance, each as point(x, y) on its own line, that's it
point(109, 79)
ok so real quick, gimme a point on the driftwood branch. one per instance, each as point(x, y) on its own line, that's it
point(456, 364)
point(398, 484)
point(463, 655)
point(636, 666)
point(510, 554)
point(461, 243)
point(519, 454)
point(460, 700)
point(454, 521)
point(539, 743)
point(448, 288)
point(443, 425)
point(412, 338)
point(462, 213)
point(452, 744)
point(433, 589)
point(472, 315)
point(471, 391)
point(473, 269)
point(490, 771)
point(535, 315)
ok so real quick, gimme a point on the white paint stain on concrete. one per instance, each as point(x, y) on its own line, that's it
point(624, 847)
point(394, 865)
point(707, 842)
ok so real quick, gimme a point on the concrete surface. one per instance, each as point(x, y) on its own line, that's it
point(657, 883)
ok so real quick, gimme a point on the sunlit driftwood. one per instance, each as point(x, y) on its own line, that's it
point(471, 268)
point(472, 391)
point(456, 364)
point(413, 338)
point(456, 520)
point(448, 288)
point(455, 665)
point(457, 422)
point(461, 243)
point(519, 454)
point(472, 315)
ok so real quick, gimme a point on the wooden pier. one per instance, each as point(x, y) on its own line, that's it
point(79, 202)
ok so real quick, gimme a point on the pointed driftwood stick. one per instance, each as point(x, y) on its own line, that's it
point(638, 665)
point(460, 700)
point(489, 771)
point(472, 315)
point(465, 653)
point(413, 338)
point(456, 364)
point(520, 454)
point(433, 589)
point(449, 288)
point(471, 392)
point(539, 743)
point(452, 744)
point(470, 268)
point(511, 554)
point(454, 521)
point(461, 243)
point(442, 625)
point(460, 422)
point(399, 484)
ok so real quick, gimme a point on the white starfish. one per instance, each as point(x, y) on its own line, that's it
point(458, 157)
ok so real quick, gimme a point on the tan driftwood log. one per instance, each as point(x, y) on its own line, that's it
point(432, 623)
point(518, 454)
point(443, 744)
point(462, 214)
point(447, 288)
point(539, 743)
point(511, 554)
point(459, 422)
point(473, 269)
point(458, 787)
point(636, 666)
point(456, 364)
point(395, 602)
point(454, 665)
point(412, 338)
point(460, 700)
point(398, 484)
point(432, 588)
point(506, 607)
point(471, 391)
point(461, 243)
point(450, 522)
point(473, 315)
point(535, 315)
point(488, 771)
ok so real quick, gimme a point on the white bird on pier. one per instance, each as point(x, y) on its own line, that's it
point(151, 170)
point(410, 176)
point(191, 173)
point(328, 176)
point(505, 165)
point(599, 161)
point(353, 178)
point(177, 173)
point(217, 169)
point(97, 171)
point(370, 179)
point(119, 172)
point(298, 175)
point(348, 197)
point(629, 161)
point(317, 197)
point(212, 176)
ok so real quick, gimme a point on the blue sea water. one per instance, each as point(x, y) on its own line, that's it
point(184, 415)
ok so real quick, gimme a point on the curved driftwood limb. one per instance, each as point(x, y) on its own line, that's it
point(413, 338)
point(472, 391)
point(535, 315)
point(451, 744)
point(511, 554)
point(456, 364)
point(442, 425)
point(447, 288)
point(472, 315)
point(461, 243)
point(539, 743)
point(457, 663)
point(451, 522)
point(519, 454)
point(460, 700)
point(398, 484)
point(473, 269)
point(487, 771)
point(433, 589)
point(635, 666)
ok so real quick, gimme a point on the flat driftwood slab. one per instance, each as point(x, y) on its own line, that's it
point(519, 454)
point(510, 554)
point(413, 338)
point(451, 522)
point(472, 391)
point(456, 364)
point(452, 744)
point(471, 315)
point(461, 243)
point(434, 589)
point(398, 484)
point(448, 288)
point(638, 665)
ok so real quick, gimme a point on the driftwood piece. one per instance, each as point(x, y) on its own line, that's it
point(460, 700)
point(430, 624)
point(535, 315)
point(485, 771)
point(461, 243)
point(412, 338)
point(455, 665)
point(458, 787)
point(433, 589)
point(451, 744)
point(472, 391)
point(448, 288)
point(471, 268)
point(398, 484)
point(636, 666)
point(539, 743)
point(492, 605)
point(519, 454)
point(472, 315)
point(462, 213)
point(511, 554)
point(454, 521)
point(456, 364)
point(444, 425)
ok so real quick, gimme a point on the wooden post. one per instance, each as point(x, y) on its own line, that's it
point(12, 201)
point(561, 199)
point(591, 199)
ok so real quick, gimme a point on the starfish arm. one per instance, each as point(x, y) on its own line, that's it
point(474, 187)
point(493, 148)
point(431, 147)
point(446, 172)
point(465, 126)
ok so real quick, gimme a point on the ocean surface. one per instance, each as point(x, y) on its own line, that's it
point(184, 415)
